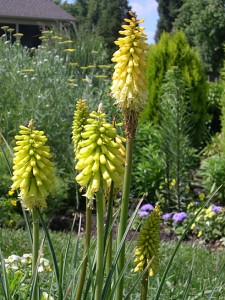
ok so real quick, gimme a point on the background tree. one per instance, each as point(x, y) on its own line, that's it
point(203, 22)
point(103, 16)
point(174, 50)
point(168, 11)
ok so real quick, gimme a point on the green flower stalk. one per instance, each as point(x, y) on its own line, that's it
point(101, 155)
point(33, 171)
point(129, 79)
point(100, 160)
point(34, 175)
point(79, 120)
point(147, 252)
point(130, 92)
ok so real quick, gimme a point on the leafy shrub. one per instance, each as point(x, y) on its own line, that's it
point(212, 174)
point(174, 50)
point(148, 166)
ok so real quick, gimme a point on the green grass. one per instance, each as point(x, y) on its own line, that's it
point(206, 265)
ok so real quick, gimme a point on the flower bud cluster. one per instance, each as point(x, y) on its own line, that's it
point(79, 120)
point(101, 155)
point(129, 78)
point(24, 264)
point(33, 171)
point(148, 243)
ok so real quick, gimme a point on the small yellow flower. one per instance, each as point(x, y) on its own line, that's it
point(187, 189)
point(101, 76)
point(73, 64)
point(27, 70)
point(211, 214)
point(199, 233)
point(104, 66)
point(190, 205)
point(193, 226)
point(173, 182)
point(66, 42)
point(10, 192)
point(70, 50)
point(201, 197)
point(46, 32)
point(13, 202)
point(43, 37)
point(56, 37)
point(208, 210)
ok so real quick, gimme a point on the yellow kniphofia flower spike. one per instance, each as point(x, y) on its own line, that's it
point(129, 78)
point(100, 156)
point(33, 172)
point(148, 243)
point(79, 120)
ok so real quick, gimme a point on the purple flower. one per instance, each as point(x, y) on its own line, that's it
point(142, 213)
point(216, 208)
point(146, 207)
point(179, 217)
point(166, 216)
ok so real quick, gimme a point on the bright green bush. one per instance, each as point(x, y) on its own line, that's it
point(212, 174)
point(148, 167)
point(174, 50)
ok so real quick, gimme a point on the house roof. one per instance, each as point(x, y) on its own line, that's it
point(33, 9)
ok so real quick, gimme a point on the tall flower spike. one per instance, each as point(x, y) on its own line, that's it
point(79, 120)
point(100, 156)
point(129, 78)
point(33, 171)
point(148, 243)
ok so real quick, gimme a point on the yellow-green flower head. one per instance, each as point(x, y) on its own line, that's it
point(148, 243)
point(129, 78)
point(33, 171)
point(100, 156)
point(79, 120)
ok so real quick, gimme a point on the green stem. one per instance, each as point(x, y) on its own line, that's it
point(35, 249)
point(100, 244)
point(109, 234)
point(124, 213)
point(144, 286)
point(81, 279)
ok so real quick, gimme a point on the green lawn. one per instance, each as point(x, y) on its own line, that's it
point(205, 263)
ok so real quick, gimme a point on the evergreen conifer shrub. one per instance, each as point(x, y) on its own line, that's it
point(174, 50)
